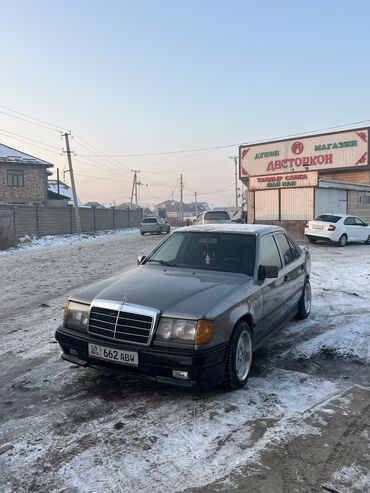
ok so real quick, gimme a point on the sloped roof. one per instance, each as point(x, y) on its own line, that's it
point(10, 155)
point(94, 204)
point(64, 190)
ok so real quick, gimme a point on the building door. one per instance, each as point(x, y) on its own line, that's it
point(330, 201)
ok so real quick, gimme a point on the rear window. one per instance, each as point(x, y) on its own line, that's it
point(150, 220)
point(217, 216)
point(328, 218)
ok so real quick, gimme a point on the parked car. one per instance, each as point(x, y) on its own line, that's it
point(339, 228)
point(154, 225)
point(209, 217)
point(195, 309)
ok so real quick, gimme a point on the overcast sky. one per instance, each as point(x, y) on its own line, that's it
point(147, 77)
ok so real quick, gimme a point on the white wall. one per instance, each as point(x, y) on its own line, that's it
point(329, 200)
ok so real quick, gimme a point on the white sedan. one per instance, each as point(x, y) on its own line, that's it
point(339, 228)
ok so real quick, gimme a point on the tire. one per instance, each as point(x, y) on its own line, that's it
point(342, 242)
point(367, 242)
point(240, 356)
point(311, 239)
point(142, 234)
point(304, 305)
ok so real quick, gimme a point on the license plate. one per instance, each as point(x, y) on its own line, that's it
point(316, 226)
point(115, 355)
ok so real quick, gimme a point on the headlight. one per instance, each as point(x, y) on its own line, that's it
point(76, 316)
point(184, 331)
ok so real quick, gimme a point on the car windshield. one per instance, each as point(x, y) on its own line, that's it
point(150, 220)
point(208, 251)
point(328, 218)
point(216, 216)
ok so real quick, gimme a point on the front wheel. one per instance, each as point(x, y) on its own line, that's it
point(304, 305)
point(342, 241)
point(367, 242)
point(239, 358)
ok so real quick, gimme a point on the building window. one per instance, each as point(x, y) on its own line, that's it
point(15, 178)
point(364, 199)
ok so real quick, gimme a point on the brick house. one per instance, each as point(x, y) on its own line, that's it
point(23, 178)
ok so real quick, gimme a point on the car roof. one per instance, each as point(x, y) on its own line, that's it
point(256, 229)
point(213, 210)
point(339, 214)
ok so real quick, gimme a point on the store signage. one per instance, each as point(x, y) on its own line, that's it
point(329, 151)
point(283, 180)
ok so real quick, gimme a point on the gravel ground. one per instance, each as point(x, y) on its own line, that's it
point(301, 424)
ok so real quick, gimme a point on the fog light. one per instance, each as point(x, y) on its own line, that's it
point(73, 352)
point(183, 375)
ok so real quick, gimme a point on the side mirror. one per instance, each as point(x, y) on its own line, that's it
point(267, 272)
point(140, 259)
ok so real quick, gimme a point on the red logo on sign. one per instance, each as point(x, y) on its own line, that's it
point(297, 148)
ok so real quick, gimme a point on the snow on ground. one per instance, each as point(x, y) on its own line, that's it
point(35, 243)
point(79, 430)
point(350, 479)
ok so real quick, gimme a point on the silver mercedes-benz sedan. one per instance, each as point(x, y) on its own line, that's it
point(195, 309)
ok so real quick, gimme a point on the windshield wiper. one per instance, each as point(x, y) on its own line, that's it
point(161, 262)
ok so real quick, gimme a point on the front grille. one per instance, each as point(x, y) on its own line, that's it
point(122, 326)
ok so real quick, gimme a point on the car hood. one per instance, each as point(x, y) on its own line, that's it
point(173, 291)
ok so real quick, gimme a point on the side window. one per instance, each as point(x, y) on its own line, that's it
point(269, 252)
point(359, 222)
point(294, 250)
point(284, 247)
point(349, 221)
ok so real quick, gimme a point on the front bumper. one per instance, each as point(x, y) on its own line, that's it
point(205, 367)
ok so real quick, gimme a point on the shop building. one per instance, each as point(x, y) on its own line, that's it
point(291, 181)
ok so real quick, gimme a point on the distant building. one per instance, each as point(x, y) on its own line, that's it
point(23, 178)
point(173, 208)
point(128, 205)
point(94, 204)
point(59, 190)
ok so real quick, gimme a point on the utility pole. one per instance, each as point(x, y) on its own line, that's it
point(235, 159)
point(58, 180)
point(139, 184)
point(196, 203)
point(75, 203)
point(181, 199)
point(134, 187)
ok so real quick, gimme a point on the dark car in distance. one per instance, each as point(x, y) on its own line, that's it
point(195, 309)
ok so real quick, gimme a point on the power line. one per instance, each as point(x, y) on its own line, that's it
point(28, 143)
point(27, 138)
point(170, 152)
point(308, 132)
point(50, 126)
point(56, 127)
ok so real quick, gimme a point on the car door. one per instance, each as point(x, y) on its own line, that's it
point(362, 229)
point(293, 271)
point(272, 290)
point(351, 229)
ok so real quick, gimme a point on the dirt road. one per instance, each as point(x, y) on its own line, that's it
point(301, 424)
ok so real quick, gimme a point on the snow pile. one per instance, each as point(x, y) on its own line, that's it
point(34, 243)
